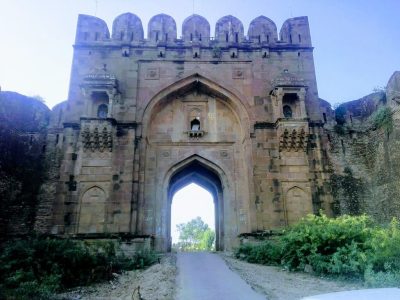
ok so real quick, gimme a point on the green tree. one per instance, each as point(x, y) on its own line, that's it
point(195, 236)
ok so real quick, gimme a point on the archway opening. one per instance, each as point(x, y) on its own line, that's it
point(193, 219)
point(206, 181)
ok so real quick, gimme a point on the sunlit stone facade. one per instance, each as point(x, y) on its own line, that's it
point(237, 114)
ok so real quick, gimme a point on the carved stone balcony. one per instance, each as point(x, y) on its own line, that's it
point(195, 133)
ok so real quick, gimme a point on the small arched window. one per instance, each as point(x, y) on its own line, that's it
point(287, 111)
point(195, 125)
point(102, 111)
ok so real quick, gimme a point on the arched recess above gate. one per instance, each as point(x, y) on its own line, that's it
point(198, 83)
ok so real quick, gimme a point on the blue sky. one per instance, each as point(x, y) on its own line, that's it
point(357, 42)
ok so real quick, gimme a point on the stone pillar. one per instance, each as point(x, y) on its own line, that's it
point(111, 95)
point(302, 97)
point(86, 98)
point(277, 98)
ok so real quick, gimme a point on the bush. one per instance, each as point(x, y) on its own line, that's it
point(347, 246)
point(331, 246)
point(37, 267)
point(267, 253)
point(381, 279)
point(385, 248)
point(383, 119)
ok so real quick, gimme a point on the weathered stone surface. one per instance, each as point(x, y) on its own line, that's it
point(23, 122)
point(239, 116)
point(364, 155)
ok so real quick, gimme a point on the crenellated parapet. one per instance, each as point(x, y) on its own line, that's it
point(127, 29)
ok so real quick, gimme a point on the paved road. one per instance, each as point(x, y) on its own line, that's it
point(205, 276)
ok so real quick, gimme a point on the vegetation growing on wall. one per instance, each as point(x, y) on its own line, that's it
point(348, 246)
point(348, 192)
point(383, 119)
point(340, 115)
point(36, 268)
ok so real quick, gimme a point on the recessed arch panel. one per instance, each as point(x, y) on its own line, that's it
point(297, 205)
point(191, 83)
point(92, 211)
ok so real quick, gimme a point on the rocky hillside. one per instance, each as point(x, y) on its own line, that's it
point(23, 122)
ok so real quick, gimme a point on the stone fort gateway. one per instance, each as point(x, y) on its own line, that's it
point(236, 114)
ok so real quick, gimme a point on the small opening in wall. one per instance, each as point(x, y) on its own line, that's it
point(122, 35)
point(299, 39)
point(200, 37)
point(267, 38)
point(287, 111)
point(166, 36)
point(233, 55)
point(157, 36)
point(196, 55)
point(259, 38)
point(290, 39)
point(324, 116)
point(132, 36)
point(191, 37)
point(236, 37)
point(351, 119)
point(57, 138)
point(195, 124)
point(96, 37)
point(226, 37)
point(102, 111)
point(329, 137)
point(298, 54)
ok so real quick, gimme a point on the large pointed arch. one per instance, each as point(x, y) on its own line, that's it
point(196, 169)
point(229, 95)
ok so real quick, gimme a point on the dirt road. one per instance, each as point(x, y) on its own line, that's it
point(278, 284)
point(205, 276)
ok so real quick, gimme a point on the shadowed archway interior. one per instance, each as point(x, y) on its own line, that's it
point(196, 172)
